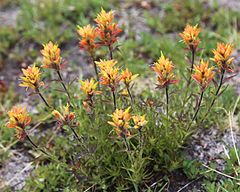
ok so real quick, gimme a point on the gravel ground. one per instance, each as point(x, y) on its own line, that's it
point(15, 170)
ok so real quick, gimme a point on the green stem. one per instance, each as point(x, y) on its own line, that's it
point(44, 100)
point(192, 64)
point(167, 100)
point(62, 82)
point(110, 52)
point(198, 107)
point(114, 100)
point(95, 67)
point(33, 144)
point(189, 80)
point(140, 136)
point(216, 94)
point(75, 134)
point(78, 138)
point(130, 95)
point(126, 143)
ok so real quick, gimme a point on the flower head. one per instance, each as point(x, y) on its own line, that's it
point(107, 29)
point(31, 78)
point(139, 121)
point(51, 56)
point(104, 18)
point(124, 93)
point(120, 121)
point(88, 36)
point(190, 36)
point(89, 88)
point(222, 56)
point(127, 77)
point(164, 69)
point(203, 74)
point(66, 117)
point(105, 64)
point(109, 74)
point(88, 106)
point(19, 119)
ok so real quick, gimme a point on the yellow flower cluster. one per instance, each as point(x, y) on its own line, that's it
point(109, 73)
point(51, 56)
point(222, 56)
point(89, 88)
point(121, 122)
point(139, 121)
point(31, 78)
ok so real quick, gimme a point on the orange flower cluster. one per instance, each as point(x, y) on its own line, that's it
point(127, 77)
point(51, 56)
point(164, 69)
point(105, 34)
point(222, 56)
point(107, 29)
point(121, 122)
point(109, 73)
point(190, 36)
point(31, 78)
point(66, 118)
point(88, 36)
point(203, 74)
point(19, 119)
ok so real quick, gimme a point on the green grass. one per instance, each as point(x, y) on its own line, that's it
point(44, 20)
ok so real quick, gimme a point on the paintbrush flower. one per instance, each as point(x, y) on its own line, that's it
point(190, 36)
point(222, 56)
point(88, 35)
point(139, 121)
point(109, 73)
point(120, 122)
point(19, 119)
point(127, 77)
point(164, 69)
point(107, 29)
point(67, 117)
point(31, 78)
point(203, 74)
point(51, 56)
point(89, 88)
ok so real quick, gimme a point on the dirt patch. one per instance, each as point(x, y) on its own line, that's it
point(232, 4)
point(8, 17)
point(16, 169)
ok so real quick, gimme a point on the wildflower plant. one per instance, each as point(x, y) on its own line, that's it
point(117, 147)
point(164, 69)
